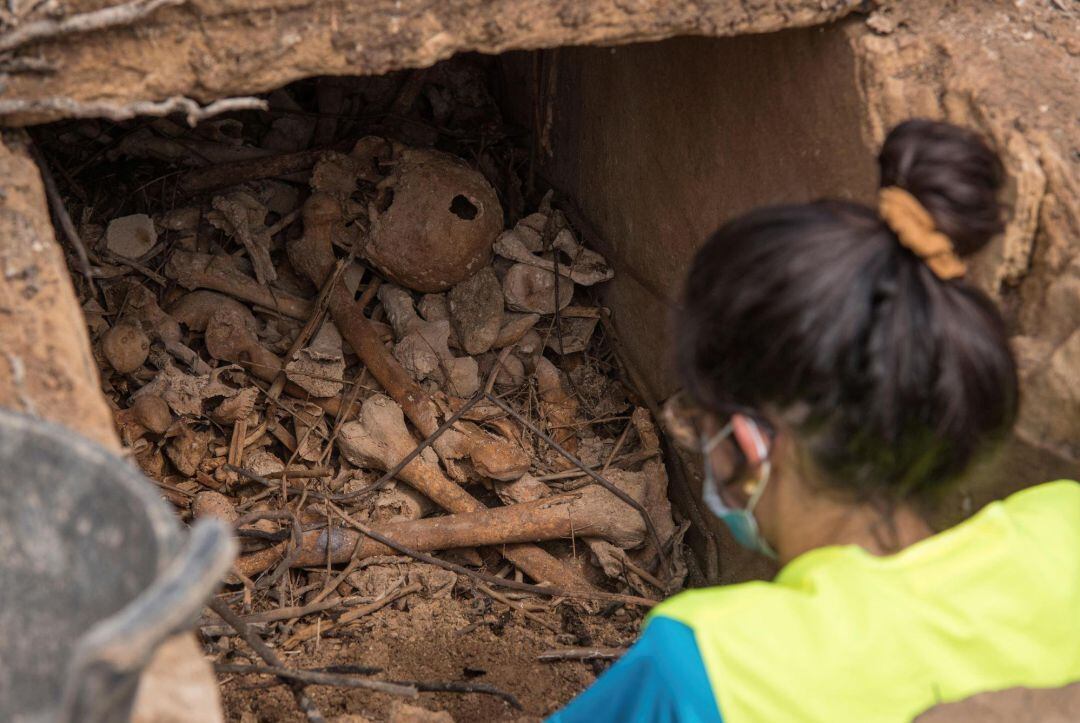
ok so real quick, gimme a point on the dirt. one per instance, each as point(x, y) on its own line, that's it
point(443, 640)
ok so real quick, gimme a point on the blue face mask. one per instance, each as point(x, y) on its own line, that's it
point(741, 522)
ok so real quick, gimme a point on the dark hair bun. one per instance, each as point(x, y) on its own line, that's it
point(953, 173)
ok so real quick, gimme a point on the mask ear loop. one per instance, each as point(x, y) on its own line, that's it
point(752, 441)
point(711, 442)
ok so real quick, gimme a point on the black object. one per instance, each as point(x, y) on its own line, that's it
point(95, 573)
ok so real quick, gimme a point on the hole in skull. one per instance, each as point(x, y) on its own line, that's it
point(463, 208)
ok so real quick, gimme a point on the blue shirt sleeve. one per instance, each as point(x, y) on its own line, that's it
point(661, 679)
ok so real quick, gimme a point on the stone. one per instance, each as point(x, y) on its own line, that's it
point(476, 311)
point(1050, 405)
point(131, 236)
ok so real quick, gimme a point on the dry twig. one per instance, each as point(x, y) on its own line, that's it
point(71, 108)
point(310, 631)
point(56, 202)
point(109, 17)
point(316, 677)
point(299, 611)
point(549, 656)
point(265, 652)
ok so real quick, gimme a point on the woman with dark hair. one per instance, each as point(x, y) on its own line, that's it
point(845, 373)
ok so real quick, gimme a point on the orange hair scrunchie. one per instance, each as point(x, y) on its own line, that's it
point(914, 226)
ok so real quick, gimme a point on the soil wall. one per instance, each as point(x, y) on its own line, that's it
point(150, 50)
point(660, 143)
point(1009, 71)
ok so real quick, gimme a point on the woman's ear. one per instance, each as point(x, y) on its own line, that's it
point(678, 421)
point(751, 439)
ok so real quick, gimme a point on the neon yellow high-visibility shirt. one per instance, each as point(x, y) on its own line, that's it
point(843, 635)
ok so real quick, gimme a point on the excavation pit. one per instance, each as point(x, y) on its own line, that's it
point(286, 302)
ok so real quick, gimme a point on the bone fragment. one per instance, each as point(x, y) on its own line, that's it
point(514, 327)
point(573, 337)
point(423, 345)
point(185, 218)
point(558, 407)
point(214, 504)
point(318, 367)
point(524, 489)
point(147, 414)
point(242, 217)
point(188, 448)
point(511, 372)
point(140, 306)
point(231, 336)
point(586, 267)
point(532, 289)
point(492, 456)
point(233, 173)
point(379, 439)
point(433, 307)
point(221, 273)
point(125, 346)
point(131, 236)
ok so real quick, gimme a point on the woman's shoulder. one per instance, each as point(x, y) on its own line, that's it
point(1045, 520)
point(1034, 527)
point(702, 607)
point(1047, 496)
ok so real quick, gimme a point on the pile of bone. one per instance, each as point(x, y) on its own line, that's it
point(241, 364)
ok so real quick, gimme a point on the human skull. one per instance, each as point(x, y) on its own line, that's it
point(439, 225)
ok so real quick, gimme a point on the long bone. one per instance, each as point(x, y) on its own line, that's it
point(379, 439)
point(588, 512)
point(312, 256)
point(220, 273)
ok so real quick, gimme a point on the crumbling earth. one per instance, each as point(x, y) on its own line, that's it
point(382, 362)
